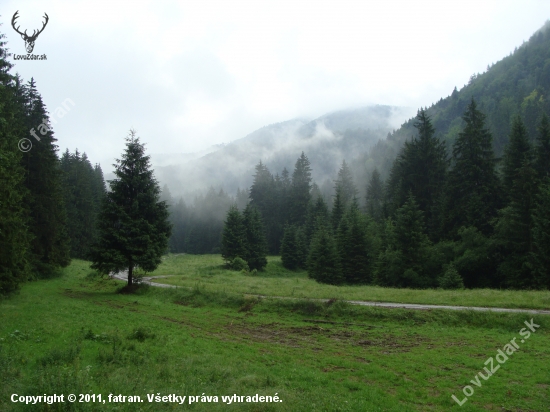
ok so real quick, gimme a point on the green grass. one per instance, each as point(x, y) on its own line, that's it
point(75, 334)
point(208, 271)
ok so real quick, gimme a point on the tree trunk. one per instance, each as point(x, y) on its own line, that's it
point(130, 273)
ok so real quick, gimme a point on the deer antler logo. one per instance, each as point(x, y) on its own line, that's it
point(29, 40)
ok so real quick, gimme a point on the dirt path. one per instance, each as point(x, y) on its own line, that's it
point(149, 281)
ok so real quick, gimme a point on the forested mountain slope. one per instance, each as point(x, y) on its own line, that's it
point(517, 84)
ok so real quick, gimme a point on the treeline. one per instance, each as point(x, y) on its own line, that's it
point(48, 207)
point(83, 192)
point(464, 218)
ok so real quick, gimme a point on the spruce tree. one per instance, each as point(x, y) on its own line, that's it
point(233, 236)
point(375, 196)
point(15, 236)
point(317, 212)
point(345, 193)
point(344, 184)
point(289, 248)
point(300, 191)
point(542, 149)
point(402, 262)
point(472, 194)
point(263, 196)
point(353, 247)
point(420, 169)
point(338, 209)
point(516, 153)
point(256, 243)
point(133, 225)
point(513, 231)
point(540, 254)
point(323, 261)
point(50, 246)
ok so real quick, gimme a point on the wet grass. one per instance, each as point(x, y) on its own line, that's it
point(75, 334)
point(209, 272)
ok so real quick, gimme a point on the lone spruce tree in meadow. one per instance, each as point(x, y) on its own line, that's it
point(133, 223)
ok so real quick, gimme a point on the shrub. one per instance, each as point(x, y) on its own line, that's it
point(239, 264)
point(451, 279)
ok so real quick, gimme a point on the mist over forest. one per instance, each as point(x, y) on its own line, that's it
point(327, 140)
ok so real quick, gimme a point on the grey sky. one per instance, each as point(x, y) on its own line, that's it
point(191, 74)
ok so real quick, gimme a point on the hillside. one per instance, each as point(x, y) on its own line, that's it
point(326, 140)
point(517, 84)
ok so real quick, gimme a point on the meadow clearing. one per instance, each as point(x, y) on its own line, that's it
point(209, 272)
point(77, 334)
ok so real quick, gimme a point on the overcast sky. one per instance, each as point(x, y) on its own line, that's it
point(190, 74)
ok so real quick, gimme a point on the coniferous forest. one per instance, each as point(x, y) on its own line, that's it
point(457, 197)
point(48, 204)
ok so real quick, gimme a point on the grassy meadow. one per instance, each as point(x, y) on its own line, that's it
point(79, 334)
point(208, 272)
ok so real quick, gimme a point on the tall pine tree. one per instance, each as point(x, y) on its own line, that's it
point(353, 247)
point(517, 152)
point(15, 236)
point(375, 196)
point(542, 149)
point(420, 169)
point(133, 225)
point(323, 261)
point(402, 262)
point(300, 191)
point(50, 246)
point(472, 194)
point(540, 254)
point(233, 236)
